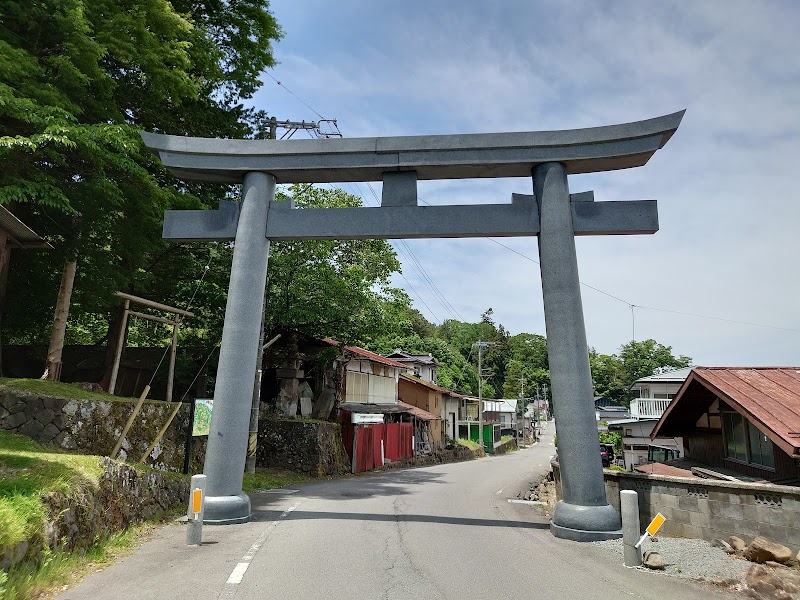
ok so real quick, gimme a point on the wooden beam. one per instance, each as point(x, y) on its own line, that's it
point(118, 352)
point(151, 304)
point(127, 427)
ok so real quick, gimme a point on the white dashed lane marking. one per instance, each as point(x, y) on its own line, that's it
point(229, 589)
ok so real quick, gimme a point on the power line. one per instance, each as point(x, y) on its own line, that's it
point(425, 277)
point(295, 95)
point(449, 307)
point(357, 192)
point(677, 312)
point(415, 262)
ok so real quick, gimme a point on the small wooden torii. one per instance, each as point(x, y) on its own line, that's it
point(178, 312)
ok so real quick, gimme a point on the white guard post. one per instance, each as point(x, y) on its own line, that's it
point(197, 501)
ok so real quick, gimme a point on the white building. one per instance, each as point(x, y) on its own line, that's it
point(655, 394)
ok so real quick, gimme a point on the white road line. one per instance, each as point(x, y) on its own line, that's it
point(498, 492)
point(241, 568)
point(531, 502)
point(238, 573)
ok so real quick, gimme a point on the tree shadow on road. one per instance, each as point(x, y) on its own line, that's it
point(269, 515)
point(396, 483)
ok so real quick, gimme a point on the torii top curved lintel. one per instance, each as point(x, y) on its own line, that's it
point(432, 156)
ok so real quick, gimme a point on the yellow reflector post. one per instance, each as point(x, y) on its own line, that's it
point(656, 524)
point(197, 500)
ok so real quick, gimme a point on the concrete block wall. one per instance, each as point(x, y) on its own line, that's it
point(708, 509)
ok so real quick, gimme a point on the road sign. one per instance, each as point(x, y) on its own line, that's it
point(653, 528)
point(656, 524)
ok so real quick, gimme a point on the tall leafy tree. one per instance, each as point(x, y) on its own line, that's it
point(329, 288)
point(613, 375)
point(77, 81)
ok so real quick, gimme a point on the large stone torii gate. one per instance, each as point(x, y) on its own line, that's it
point(552, 213)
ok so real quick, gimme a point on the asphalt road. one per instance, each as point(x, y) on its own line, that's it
point(445, 532)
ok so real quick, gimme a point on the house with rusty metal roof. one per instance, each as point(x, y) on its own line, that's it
point(738, 423)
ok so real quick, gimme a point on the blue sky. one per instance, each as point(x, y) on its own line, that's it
point(729, 207)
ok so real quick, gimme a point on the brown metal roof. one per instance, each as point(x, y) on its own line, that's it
point(767, 396)
point(419, 413)
point(422, 382)
point(367, 354)
point(663, 469)
point(386, 409)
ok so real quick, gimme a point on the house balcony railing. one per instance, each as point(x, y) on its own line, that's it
point(648, 408)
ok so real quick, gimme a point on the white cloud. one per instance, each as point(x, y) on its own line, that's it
point(728, 204)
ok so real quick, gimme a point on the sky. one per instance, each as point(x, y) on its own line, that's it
point(728, 247)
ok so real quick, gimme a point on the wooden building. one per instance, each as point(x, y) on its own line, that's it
point(427, 396)
point(741, 419)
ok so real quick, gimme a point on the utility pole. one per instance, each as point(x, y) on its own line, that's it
point(522, 406)
point(481, 346)
point(480, 395)
point(547, 401)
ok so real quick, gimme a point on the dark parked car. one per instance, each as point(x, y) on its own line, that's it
point(607, 454)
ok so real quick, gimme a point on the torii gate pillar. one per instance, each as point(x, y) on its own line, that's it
point(584, 514)
point(238, 356)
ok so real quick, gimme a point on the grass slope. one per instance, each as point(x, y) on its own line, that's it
point(56, 389)
point(26, 470)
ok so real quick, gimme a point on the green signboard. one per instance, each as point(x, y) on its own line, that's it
point(202, 416)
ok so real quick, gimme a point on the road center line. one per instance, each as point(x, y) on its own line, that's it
point(238, 572)
point(241, 567)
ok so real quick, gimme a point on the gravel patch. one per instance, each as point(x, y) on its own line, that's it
point(689, 558)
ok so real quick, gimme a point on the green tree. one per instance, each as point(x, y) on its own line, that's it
point(77, 82)
point(463, 337)
point(336, 289)
point(613, 375)
point(527, 358)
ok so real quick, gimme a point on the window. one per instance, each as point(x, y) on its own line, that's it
point(661, 454)
point(663, 396)
point(629, 432)
point(745, 442)
point(760, 448)
point(365, 388)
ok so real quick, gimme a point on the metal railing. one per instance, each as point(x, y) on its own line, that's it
point(648, 408)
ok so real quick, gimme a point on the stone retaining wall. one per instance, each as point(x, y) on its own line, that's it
point(708, 509)
point(311, 447)
point(94, 426)
point(457, 454)
point(123, 496)
point(506, 446)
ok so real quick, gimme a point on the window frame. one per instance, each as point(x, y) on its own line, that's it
point(727, 416)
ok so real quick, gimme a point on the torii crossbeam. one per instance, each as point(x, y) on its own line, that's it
point(551, 213)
